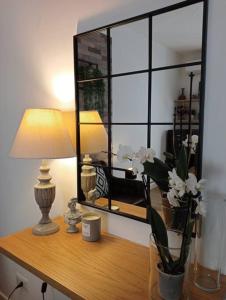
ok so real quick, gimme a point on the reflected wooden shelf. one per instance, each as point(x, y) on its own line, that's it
point(132, 209)
point(124, 207)
point(112, 268)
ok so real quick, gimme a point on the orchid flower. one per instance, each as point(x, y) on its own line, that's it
point(194, 142)
point(145, 154)
point(178, 188)
point(137, 166)
point(193, 186)
point(125, 153)
point(201, 208)
point(172, 196)
point(177, 183)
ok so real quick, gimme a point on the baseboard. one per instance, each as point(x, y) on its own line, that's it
point(3, 296)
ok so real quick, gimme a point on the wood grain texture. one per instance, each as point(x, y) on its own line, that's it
point(113, 268)
point(197, 294)
point(110, 269)
point(124, 207)
point(132, 209)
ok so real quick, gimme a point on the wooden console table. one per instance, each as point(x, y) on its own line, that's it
point(112, 268)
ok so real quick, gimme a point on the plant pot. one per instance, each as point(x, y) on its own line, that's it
point(170, 286)
point(164, 286)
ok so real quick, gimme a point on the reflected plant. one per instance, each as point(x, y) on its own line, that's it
point(93, 91)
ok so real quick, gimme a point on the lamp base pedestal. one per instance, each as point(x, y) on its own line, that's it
point(44, 196)
point(45, 229)
point(88, 178)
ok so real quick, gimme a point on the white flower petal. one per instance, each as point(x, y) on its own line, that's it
point(191, 183)
point(201, 208)
point(195, 139)
point(200, 185)
point(137, 167)
point(181, 193)
point(124, 153)
point(150, 155)
point(193, 143)
point(173, 198)
point(144, 155)
point(185, 142)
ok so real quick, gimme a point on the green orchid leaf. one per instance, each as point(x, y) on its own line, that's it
point(178, 266)
point(158, 171)
point(158, 227)
point(161, 238)
point(182, 165)
point(169, 155)
point(185, 249)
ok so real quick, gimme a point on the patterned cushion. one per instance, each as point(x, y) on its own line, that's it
point(101, 183)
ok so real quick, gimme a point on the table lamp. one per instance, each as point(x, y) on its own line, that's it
point(93, 139)
point(43, 135)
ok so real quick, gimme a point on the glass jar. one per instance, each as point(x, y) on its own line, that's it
point(209, 246)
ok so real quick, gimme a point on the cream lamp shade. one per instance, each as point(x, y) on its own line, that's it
point(69, 122)
point(42, 134)
point(93, 136)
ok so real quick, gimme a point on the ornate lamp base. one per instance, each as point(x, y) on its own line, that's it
point(44, 196)
point(45, 229)
point(88, 178)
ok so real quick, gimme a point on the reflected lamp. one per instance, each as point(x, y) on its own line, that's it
point(93, 139)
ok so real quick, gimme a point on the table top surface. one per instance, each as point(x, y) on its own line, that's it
point(112, 268)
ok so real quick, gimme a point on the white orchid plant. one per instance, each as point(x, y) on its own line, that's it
point(183, 191)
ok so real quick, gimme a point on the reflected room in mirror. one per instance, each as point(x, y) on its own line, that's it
point(139, 82)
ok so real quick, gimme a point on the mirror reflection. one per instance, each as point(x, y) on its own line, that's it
point(92, 55)
point(127, 194)
point(129, 47)
point(177, 36)
point(155, 108)
point(93, 96)
point(171, 95)
point(130, 98)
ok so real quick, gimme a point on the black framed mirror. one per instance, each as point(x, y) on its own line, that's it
point(139, 82)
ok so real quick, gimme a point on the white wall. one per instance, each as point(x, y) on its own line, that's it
point(36, 48)
point(214, 162)
point(36, 45)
